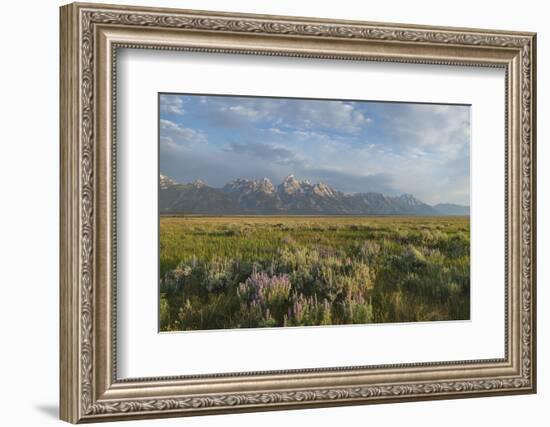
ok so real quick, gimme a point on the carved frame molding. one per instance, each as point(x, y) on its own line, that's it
point(90, 36)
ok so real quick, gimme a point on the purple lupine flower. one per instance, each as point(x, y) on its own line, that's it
point(261, 287)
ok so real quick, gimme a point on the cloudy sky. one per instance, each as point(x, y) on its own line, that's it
point(354, 146)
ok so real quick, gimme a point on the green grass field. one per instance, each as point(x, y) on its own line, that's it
point(268, 271)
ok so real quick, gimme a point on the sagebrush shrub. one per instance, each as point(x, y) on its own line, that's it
point(219, 273)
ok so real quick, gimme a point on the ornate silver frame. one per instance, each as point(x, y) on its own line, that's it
point(90, 36)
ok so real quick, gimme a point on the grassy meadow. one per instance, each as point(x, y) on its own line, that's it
point(268, 271)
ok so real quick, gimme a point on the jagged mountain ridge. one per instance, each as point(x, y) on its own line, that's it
point(290, 197)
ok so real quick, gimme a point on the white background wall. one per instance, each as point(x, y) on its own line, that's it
point(29, 171)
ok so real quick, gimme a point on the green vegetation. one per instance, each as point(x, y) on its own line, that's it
point(266, 271)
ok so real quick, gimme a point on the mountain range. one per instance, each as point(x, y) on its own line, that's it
point(290, 197)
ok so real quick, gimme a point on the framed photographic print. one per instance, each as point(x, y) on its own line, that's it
point(244, 252)
point(265, 212)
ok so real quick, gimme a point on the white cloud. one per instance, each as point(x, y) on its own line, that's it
point(249, 113)
point(338, 116)
point(277, 131)
point(175, 135)
point(171, 104)
point(439, 128)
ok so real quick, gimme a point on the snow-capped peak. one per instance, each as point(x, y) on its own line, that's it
point(199, 183)
point(166, 181)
